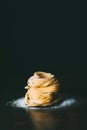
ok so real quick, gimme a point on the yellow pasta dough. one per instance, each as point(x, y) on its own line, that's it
point(43, 89)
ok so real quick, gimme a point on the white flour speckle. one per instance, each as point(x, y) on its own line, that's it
point(19, 103)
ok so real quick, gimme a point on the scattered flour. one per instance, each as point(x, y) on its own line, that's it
point(19, 103)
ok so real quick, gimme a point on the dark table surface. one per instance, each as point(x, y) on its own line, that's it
point(73, 117)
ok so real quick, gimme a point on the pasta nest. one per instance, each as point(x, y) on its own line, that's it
point(42, 89)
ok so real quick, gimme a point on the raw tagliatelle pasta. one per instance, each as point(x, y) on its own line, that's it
point(43, 89)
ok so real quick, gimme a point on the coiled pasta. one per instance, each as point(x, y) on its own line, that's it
point(43, 89)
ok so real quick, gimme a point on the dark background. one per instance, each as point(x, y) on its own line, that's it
point(44, 36)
